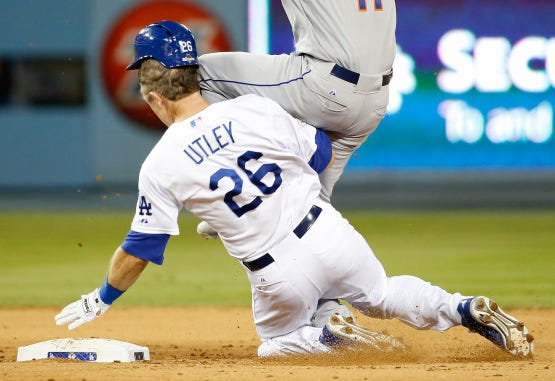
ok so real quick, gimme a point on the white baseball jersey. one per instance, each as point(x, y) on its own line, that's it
point(251, 185)
point(356, 34)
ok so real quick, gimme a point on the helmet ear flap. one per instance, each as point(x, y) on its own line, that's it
point(169, 42)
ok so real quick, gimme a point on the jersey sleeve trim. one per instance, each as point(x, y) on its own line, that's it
point(322, 156)
point(149, 247)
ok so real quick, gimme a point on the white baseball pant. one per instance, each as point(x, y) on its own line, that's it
point(333, 261)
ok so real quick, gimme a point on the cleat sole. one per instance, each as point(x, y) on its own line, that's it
point(517, 340)
point(352, 333)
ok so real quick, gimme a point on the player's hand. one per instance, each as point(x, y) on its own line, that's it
point(205, 231)
point(82, 311)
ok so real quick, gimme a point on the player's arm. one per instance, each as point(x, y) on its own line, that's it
point(126, 265)
point(159, 213)
point(124, 270)
point(324, 155)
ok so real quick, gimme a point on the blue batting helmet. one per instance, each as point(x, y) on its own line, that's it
point(168, 42)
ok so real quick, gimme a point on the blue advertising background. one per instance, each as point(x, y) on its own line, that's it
point(488, 129)
point(91, 146)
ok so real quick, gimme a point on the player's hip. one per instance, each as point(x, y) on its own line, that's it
point(321, 247)
point(352, 81)
point(325, 256)
point(343, 101)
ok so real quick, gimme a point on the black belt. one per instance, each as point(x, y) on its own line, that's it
point(307, 221)
point(260, 263)
point(299, 231)
point(352, 77)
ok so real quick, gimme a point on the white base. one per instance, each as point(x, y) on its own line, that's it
point(92, 350)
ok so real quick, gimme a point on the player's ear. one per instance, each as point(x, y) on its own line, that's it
point(156, 98)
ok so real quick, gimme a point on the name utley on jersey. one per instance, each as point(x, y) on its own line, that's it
point(240, 165)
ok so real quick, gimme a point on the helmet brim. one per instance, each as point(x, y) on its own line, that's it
point(137, 63)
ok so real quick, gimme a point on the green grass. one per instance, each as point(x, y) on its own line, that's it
point(49, 259)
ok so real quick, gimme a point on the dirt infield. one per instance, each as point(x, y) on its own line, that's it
point(220, 344)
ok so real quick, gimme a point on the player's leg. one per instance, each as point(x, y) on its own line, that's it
point(231, 74)
point(357, 276)
point(413, 301)
point(346, 142)
point(407, 298)
point(285, 294)
point(433, 308)
point(283, 302)
point(304, 340)
point(303, 87)
point(419, 303)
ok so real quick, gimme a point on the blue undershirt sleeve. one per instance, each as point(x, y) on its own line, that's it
point(322, 156)
point(149, 247)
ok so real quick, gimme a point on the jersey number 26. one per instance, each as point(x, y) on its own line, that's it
point(254, 177)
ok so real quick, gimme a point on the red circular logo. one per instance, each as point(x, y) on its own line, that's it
point(122, 85)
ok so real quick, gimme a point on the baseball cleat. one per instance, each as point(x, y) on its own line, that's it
point(205, 231)
point(483, 316)
point(343, 331)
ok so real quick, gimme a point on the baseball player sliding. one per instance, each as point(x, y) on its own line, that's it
point(259, 188)
point(337, 79)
